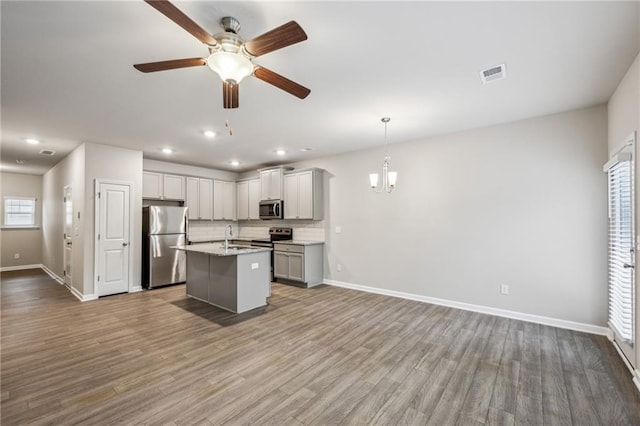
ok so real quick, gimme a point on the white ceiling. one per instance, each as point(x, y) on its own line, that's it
point(67, 75)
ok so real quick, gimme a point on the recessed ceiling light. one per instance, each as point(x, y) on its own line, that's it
point(20, 161)
point(32, 141)
point(235, 163)
point(167, 150)
point(281, 152)
point(209, 133)
point(306, 149)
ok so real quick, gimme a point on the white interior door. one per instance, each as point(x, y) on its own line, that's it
point(620, 171)
point(68, 235)
point(113, 238)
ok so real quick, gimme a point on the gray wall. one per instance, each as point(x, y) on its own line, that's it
point(79, 170)
point(522, 204)
point(624, 107)
point(117, 164)
point(69, 171)
point(26, 242)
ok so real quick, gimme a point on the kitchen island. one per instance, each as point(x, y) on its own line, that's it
point(237, 279)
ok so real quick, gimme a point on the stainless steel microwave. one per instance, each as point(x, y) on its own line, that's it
point(271, 209)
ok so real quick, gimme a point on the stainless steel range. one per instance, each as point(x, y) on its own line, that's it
point(275, 234)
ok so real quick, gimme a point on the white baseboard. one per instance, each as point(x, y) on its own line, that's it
point(135, 289)
point(19, 267)
point(81, 297)
point(554, 322)
point(635, 373)
point(52, 274)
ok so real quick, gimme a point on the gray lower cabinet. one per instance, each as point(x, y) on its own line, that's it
point(300, 263)
point(198, 275)
point(237, 283)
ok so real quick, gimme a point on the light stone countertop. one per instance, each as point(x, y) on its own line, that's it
point(216, 249)
point(215, 240)
point(299, 242)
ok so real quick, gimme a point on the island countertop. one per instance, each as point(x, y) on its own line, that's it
point(299, 242)
point(215, 249)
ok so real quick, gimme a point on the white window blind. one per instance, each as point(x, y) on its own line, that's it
point(621, 248)
point(19, 211)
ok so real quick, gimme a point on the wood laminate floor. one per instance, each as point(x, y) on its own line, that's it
point(314, 356)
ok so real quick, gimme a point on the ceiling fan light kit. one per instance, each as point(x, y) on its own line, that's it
point(229, 55)
point(231, 67)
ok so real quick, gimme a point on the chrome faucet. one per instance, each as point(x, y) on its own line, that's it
point(226, 240)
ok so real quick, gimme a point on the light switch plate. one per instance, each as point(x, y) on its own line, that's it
point(255, 265)
point(338, 230)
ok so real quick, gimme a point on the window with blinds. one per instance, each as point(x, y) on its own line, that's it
point(621, 248)
point(19, 211)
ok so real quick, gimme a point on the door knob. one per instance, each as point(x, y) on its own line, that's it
point(626, 265)
point(125, 244)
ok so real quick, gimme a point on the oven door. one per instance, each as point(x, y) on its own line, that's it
point(271, 209)
point(268, 244)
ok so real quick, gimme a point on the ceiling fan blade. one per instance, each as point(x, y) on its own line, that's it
point(281, 82)
point(173, 13)
point(283, 36)
point(170, 65)
point(230, 95)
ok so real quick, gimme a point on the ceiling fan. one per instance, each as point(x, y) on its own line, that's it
point(229, 55)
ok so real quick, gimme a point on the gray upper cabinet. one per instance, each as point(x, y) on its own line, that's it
point(271, 184)
point(173, 187)
point(159, 186)
point(242, 192)
point(152, 185)
point(255, 188)
point(199, 198)
point(303, 195)
point(224, 200)
point(248, 193)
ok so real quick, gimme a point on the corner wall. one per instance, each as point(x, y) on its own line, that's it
point(117, 164)
point(70, 171)
point(522, 204)
point(79, 170)
point(624, 118)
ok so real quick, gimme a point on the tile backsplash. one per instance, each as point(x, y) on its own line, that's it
point(208, 231)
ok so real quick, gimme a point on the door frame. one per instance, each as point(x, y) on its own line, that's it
point(96, 230)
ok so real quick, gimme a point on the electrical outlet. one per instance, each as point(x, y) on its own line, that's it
point(339, 267)
point(16, 256)
point(255, 265)
point(338, 230)
point(504, 289)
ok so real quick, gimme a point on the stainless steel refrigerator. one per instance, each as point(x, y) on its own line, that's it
point(162, 228)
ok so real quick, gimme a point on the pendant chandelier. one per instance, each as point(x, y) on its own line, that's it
point(388, 178)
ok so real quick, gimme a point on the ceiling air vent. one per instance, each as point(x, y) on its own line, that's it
point(47, 152)
point(498, 72)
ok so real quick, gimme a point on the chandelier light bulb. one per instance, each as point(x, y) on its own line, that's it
point(373, 179)
point(392, 179)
